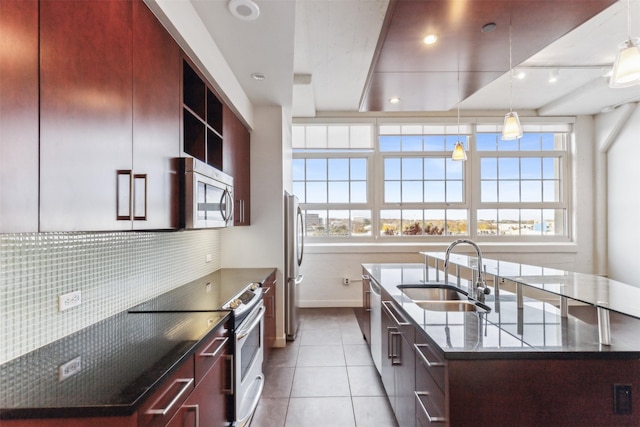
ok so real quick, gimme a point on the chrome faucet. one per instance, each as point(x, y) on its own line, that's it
point(480, 290)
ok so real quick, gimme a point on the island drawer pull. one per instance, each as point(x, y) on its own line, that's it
point(386, 305)
point(164, 411)
point(266, 291)
point(196, 410)
point(220, 347)
point(424, 357)
point(424, 409)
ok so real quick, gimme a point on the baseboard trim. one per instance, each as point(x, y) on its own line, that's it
point(330, 303)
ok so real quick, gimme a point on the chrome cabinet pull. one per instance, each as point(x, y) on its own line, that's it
point(386, 305)
point(164, 411)
point(230, 389)
point(367, 300)
point(424, 409)
point(220, 347)
point(395, 349)
point(196, 409)
point(124, 191)
point(424, 358)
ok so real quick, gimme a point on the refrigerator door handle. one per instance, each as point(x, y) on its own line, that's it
point(299, 278)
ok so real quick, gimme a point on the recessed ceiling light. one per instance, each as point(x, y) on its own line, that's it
point(430, 39)
point(394, 100)
point(487, 28)
point(519, 74)
point(245, 10)
point(553, 76)
point(258, 76)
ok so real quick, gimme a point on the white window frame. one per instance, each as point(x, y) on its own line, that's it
point(471, 176)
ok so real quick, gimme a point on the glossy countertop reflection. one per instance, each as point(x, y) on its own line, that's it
point(119, 362)
point(587, 288)
point(535, 331)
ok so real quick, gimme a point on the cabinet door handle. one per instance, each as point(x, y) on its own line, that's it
point(231, 373)
point(140, 197)
point(217, 350)
point(424, 358)
point(195, 409)
point(386, 305)
point(164, 411)
point(266, 291)
point(124, 191)
point(424, 409)
point(396, 355)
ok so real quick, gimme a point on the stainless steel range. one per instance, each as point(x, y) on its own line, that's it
point(248, 310)
point(216, 292)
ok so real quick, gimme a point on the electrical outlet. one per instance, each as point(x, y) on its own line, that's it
point(69, 300)
point(346, 281)
point(208, 258)
point(69, 369)
point(207, 287)
point(622, 399)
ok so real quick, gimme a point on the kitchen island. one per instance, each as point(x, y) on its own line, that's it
point(523, 361)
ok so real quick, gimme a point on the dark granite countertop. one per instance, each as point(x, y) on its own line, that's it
point(121, 360)
point(535, 331)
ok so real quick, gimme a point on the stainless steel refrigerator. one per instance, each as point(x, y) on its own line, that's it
point(294, 251)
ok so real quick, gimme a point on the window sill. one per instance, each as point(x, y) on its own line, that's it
point(412, 247)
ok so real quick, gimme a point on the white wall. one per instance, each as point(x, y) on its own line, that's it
point(262, 243)
point(623, 205)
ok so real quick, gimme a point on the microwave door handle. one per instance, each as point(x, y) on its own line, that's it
point(226, 205)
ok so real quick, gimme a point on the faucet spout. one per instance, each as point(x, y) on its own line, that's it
point(480, 290)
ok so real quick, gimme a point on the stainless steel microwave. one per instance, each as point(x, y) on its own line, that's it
point(206, 195)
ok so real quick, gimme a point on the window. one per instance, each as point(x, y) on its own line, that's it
point(419, 176)
point(331, 177)
point(522, 182)
point(398, 182)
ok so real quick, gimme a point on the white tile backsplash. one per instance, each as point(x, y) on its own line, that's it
point(113, 271)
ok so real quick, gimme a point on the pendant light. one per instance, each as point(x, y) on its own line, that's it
point(511, 128)
point(626, 68)
point(458, 149)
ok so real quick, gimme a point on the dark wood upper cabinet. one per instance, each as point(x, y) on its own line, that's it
point(237, 161)
point(85, 113)
point(18, 116)
point(110, 117)
point(156, 116)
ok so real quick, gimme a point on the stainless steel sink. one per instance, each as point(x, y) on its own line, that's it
point(469, 306)
point(442, 297)
point(436, 292)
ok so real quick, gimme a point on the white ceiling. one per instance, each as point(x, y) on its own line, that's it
point(329, 46)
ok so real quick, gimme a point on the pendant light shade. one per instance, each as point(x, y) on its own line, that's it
point(458, 152)
point(511, 128)
point(626, 68)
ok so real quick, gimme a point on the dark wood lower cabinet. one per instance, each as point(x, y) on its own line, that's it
point(207, 405)
point(398, 362)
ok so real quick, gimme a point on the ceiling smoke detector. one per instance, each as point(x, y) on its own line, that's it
point(245, 10)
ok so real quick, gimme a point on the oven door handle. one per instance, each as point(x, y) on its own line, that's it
point(244, 332)
point(243, 422)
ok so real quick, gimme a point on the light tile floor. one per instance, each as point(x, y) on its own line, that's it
point(325, 377)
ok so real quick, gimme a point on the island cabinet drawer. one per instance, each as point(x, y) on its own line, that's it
point(431, 361)
point(169, 396)
point(215, 346)
point(430, 409)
